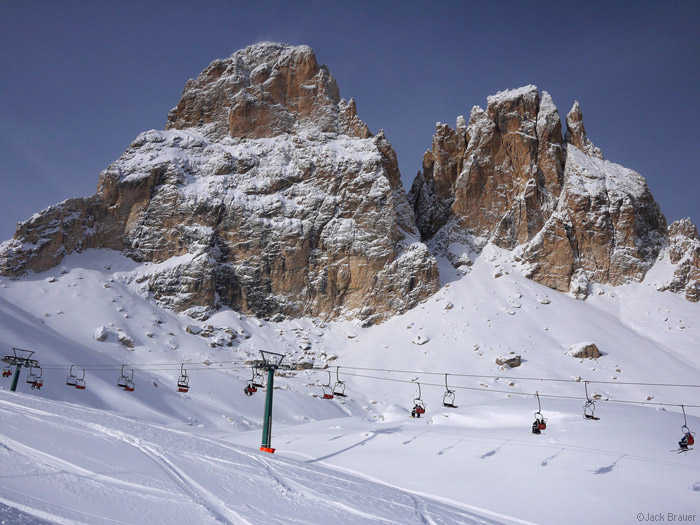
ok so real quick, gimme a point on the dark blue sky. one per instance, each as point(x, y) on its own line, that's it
point(79, 80)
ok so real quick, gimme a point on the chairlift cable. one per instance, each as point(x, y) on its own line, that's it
point(518, 378)
point(497, 391)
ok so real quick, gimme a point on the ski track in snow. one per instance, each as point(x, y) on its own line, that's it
point(418, 503)
point(325, 492)
point(194, 490)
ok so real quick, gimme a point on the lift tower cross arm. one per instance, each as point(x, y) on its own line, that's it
point(19, 358)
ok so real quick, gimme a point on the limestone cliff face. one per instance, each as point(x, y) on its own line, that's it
point(265, 90)
point(607, 228)
point(510, 178)
point(683, 253)
point(268, 194)
point(498, 178)
point(265, 193)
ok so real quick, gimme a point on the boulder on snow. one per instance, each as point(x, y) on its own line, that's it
point(193, 329)
point(584, 351)
point(101, 334)
point(513, 361)
point(125, 340)
point(420, 340)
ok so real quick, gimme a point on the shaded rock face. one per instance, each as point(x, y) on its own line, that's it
point(510, 178)
point(684, 254)
point(266, 194)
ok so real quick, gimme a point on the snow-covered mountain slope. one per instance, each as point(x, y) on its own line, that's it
point(364, 452)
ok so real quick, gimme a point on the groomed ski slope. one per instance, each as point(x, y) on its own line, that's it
point(69, 464)
point(120, 456)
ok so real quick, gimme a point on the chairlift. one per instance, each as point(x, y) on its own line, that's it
point(448, 398)
point(129, 384)
point(418, 405)
point(126, 382)
point(327, 390)
point(183, 382)
point(71, 379)
point(35, 379)
point(7, 371)
point(540, 422)
point(80, 381)
point(252, 386)
point(339, 387)
point(589, 407)
point(688, 438)
point(121, 382)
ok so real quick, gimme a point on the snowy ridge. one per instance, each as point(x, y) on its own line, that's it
point(511, 94)
point(588, 175)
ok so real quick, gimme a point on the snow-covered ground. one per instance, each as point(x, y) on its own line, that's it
point(154, 455)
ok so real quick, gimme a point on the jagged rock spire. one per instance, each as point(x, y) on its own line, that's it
point(576, 133)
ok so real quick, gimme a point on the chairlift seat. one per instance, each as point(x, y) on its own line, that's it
point(448, 399)
point(80, 384)
point(339, 389)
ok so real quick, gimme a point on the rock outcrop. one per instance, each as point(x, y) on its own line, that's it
point(585, 351)
point(265, 193)
point(510, 178)
point(683, 253)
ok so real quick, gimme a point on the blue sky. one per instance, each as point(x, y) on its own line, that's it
point(79, 80)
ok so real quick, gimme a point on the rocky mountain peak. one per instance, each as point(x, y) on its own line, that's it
point(266, 193)
point(265, 90)
point(576, 132)
point(511, 179)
